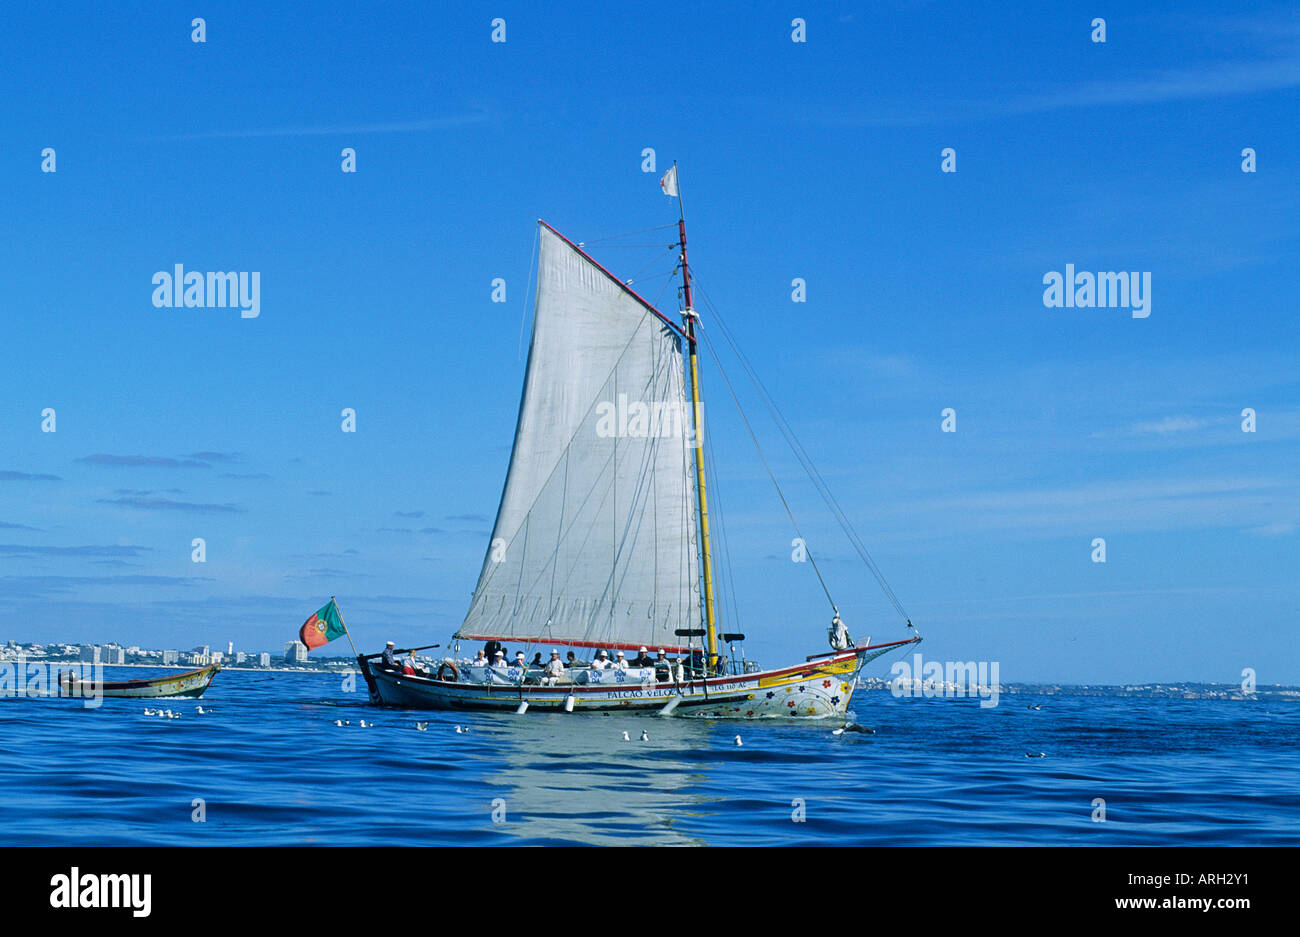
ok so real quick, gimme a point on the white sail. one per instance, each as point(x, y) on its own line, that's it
point(595, 538)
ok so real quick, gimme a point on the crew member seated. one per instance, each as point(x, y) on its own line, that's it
point(620, 664)
point(555, 668)
point(643, 659)
point(412, 667)
point(499, 660)
point(663, 666)
point(480, 659)
point(602, 661)
point(573, 661)
point(390, 661)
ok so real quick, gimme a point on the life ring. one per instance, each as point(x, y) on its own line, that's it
point(448, 665)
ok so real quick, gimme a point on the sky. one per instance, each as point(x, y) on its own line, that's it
point(819, 160)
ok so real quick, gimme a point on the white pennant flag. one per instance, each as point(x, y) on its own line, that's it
point(669, 182)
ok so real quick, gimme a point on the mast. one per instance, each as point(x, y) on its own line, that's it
point(689, 316)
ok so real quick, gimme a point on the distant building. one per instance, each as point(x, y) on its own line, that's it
point(170, 657)
point(264, 659)
point(89, 654)
point(295, 652)
point(240, 657)
point(230, 648)
point(216, 657)
point(112, 654)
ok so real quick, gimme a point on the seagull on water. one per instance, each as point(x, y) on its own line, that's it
point(625, 736)
point(204, 712)
point(460, 731)
point(1032, 755)
point(421, 726)
point(148, 711)
point(645, 736)
point(338, 722)
point(738, 741)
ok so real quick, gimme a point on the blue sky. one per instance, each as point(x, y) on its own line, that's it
point(818, 160)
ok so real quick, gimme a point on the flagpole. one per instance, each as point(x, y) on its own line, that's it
point(681, 202)
point(345, 626)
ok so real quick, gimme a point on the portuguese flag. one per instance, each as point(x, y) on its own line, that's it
point(322, 628)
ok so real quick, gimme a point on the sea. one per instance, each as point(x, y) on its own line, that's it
point(266, 764)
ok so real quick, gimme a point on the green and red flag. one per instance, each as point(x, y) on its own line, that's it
point(323, 627)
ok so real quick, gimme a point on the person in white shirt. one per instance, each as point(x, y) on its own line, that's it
point(499, 661)
point(601, 662)
point(480, 659)
point(621, 663)
point(556, 667)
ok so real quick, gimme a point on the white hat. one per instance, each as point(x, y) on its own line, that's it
point(643, 650)
point(499, 654)
point(603, 653)
point(390, 643)
point(620, 653)
point(555, 653)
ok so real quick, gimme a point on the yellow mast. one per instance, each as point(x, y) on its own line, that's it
point(710, 617)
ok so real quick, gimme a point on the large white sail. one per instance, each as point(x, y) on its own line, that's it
point(595, 538)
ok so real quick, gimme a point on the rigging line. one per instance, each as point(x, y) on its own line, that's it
point(809, 468)
point(659, 258)
point(646, 244)
point(727, 381)
point(523, 316)
point(627, 234)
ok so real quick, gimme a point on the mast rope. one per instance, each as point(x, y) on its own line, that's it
point(804, 460)
point(628, 234)
point(727, 381)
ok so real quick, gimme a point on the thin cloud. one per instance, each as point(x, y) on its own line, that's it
point(399, 126)
point(141, 461)
point(253, 476)
point(8, 476)
point(1221, 80)
point(166, 504)
point(19, 549)
point(1170, 424)
point(4, 525)
point(413, 515)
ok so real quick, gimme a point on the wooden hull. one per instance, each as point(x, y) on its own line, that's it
point(190, 684)
point(816, 689)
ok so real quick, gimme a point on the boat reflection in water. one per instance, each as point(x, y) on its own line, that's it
point(571, 778)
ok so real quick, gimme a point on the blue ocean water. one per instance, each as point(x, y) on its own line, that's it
point(270, 767)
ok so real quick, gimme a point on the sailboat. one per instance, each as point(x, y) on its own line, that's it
point(601, 542)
